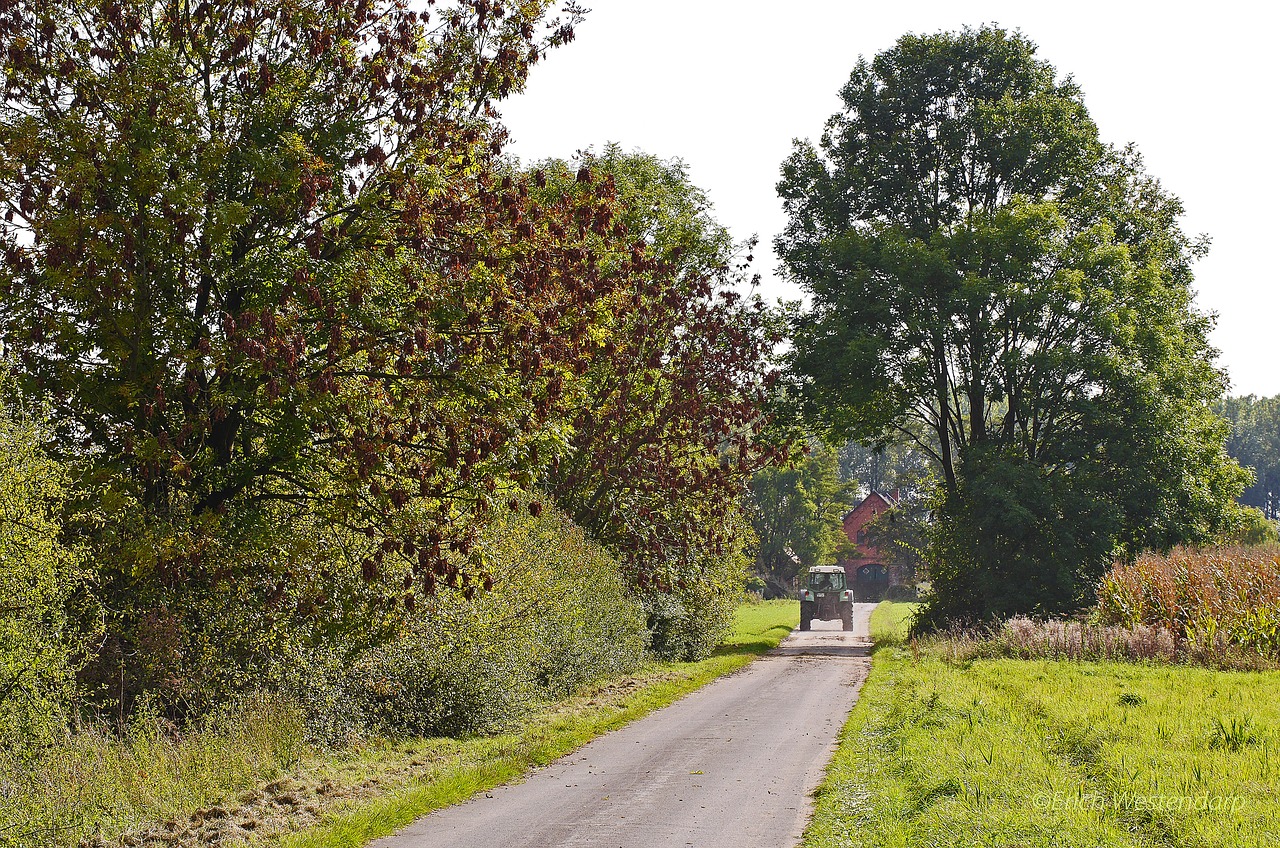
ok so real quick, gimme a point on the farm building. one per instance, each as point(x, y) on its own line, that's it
point(867, 574)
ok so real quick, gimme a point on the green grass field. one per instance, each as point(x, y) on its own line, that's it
point(1037, 753)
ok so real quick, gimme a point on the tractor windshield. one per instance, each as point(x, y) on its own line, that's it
point(820, 581)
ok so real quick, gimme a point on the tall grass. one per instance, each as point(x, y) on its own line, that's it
point(95, 782)
point(1024, 638)
point(1027, 639)
point(1226, 596)
point(1216, 607)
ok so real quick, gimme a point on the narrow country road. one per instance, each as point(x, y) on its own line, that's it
point(729, 766)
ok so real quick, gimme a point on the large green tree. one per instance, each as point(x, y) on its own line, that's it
point(267, 253)
point(796, 510)
point(984, 270)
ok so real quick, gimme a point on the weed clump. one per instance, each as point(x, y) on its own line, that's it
point(1232, 733)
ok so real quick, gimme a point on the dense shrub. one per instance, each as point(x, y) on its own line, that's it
point(686, 623)
point(40, 578)
point(212, 604)
point(1014, 539)
point(1250, 526)
point(557, 617)
point(1227, 594)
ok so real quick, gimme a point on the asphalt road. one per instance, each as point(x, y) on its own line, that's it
point(729, 766)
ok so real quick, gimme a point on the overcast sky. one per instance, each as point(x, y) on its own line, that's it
point(727, 84)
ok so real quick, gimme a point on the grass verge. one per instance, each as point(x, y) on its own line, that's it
point(1051, 753)
point(96, 784)
point(469, 766)
point(890, 622)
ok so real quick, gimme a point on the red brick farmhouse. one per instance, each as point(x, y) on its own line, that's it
point(867, 574)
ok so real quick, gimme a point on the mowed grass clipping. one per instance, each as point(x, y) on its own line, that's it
point(470, 766)
point(1053, 753)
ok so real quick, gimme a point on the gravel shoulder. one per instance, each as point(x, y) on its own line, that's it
point(730, 765)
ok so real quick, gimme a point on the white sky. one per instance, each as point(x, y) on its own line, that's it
point(727, 85)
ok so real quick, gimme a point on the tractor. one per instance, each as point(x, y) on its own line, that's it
point(824, 596)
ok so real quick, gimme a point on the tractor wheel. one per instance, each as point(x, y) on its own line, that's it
point(846, 616)
point(806, 613)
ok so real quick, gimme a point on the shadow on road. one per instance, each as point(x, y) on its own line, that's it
point(822, 649)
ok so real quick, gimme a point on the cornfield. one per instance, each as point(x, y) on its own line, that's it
point(1208, 598)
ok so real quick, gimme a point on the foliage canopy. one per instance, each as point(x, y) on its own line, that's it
point(796, 512)
point(985, 271)
point(303, 326)
point(673, 425)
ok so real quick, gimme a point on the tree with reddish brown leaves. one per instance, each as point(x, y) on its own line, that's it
point(662, 451)
point(268, 264)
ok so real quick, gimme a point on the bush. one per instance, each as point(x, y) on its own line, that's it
point(558, 617)
point(203, 608)
point(304, 621)
point(1218, 607)
point(688, 622)
point(1014, 540)
point(1250, 526)
point(40, 578)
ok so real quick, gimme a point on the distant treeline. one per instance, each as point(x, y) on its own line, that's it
point(1255, 443)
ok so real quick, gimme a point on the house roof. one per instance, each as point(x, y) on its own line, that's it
point(887, 499)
